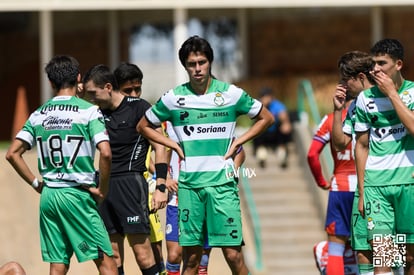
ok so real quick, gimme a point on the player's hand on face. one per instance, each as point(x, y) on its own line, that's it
point(339, 98)
point(384, 82)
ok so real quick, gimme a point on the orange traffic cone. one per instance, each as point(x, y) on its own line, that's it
point(21, 111)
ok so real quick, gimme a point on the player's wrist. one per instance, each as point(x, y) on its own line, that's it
point(161, 187)
point(35, 183)
point(324, 185)
point(161, 170)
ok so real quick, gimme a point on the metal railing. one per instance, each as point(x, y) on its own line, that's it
point(305, 100)
point(305, 93)
point(255, 220)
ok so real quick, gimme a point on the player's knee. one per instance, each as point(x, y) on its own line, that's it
point(14, 268)
point(233, 256)
point(192, 257)
point(410, 259)
point(364, 257)
point(410, 254)
point(174, 256)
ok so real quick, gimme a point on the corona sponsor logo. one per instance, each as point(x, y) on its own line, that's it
point(59, 107)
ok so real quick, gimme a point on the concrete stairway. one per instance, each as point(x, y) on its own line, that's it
point(291, 213)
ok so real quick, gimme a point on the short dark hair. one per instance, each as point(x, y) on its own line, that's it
point(389, 46)
point(265, 91)
point(127, 72)
point(62, 71)
point(100, 75)
point(352, 63)
point(195, 44)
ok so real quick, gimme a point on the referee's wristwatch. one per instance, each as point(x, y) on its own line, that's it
point(161, 187)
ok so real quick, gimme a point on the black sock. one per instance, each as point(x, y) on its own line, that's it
point(153, 270)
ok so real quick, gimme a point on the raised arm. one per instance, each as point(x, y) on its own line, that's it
point(340, 140)
point(315, 166)
point(388, 88)
point(361, 155)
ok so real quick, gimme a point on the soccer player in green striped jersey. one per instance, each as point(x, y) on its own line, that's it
point(354, 68)
point(67, 130)
point(203, 114)
point(385, 155)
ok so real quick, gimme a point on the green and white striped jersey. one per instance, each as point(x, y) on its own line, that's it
point(66, 130)
point(348, 126)
point(205, 126)
point(349, 122)
point(391, 148)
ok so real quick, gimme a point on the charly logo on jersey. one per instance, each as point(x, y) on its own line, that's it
point(180, 101)
point(370, 105)
point(406, 97)
point(218, 99)
point(57, 123)
point(234, 234)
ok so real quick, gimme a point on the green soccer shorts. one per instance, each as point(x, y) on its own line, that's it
point(213, 210)
point(70, 223)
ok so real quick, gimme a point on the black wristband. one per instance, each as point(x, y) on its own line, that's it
point(161, 170)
